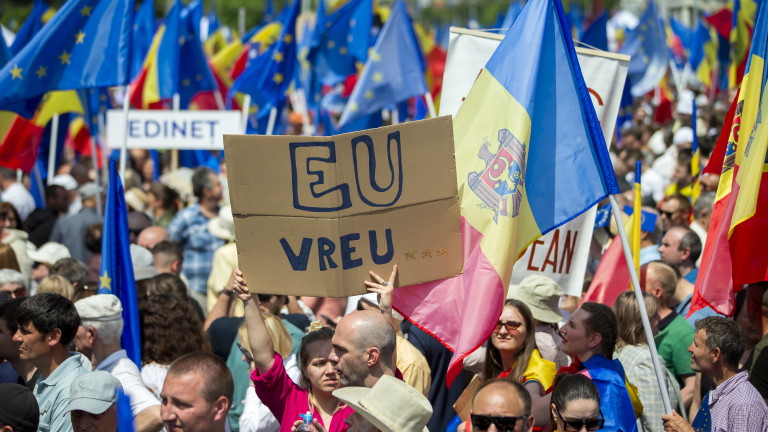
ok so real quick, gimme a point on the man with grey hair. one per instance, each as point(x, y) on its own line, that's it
point(70, 230)
point(98, 337)
point(189, 228)
point(702, 213)
point(733, 404)
point(363, 349)
point(13, 282)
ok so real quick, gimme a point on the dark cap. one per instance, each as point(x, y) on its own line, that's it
point(18, 408)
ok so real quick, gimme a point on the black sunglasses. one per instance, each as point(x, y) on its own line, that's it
point(577, 425)
point(503, 424)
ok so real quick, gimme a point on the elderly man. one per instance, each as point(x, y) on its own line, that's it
point(502, 405)
point(149, 237)
point(733, 404)
point(197, 394)
point(363, 349)
point(98, 337)
point(93, 400)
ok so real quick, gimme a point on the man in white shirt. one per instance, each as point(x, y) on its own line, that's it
point(15, 193)
point(98, 337)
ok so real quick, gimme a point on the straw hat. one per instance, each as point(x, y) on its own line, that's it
point(390, 406)
point(541, 294)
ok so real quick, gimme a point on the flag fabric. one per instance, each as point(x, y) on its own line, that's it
point(20, 145)
point(703, 57)
point(515, 7)
point(86, 44)
point(39, 15)
point(394, 71)
point(5, 52)
point(143, 29)
point(124, 413)
point(596, 35)
point(116, 267)
point(159, 76)
point(733, 255)
point(742, 26)
point(340, 40)
point(194, 73)
point(612, 275)
point(268, 77)
point(647, 44)
point(518, 136)
point(637, 213)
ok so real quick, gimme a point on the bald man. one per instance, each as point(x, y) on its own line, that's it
point(151, 236)
point(497, 402)
point(363, 349)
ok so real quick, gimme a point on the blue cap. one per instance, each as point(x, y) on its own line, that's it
point(307, 418)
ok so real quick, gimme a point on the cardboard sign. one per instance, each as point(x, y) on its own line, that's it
point(189, 130)
point(313, 215)
point(562, 253)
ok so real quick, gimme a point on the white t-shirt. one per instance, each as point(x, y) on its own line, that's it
point(20, 197)
point(122, 368)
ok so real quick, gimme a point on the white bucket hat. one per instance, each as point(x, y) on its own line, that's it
point(390, 406)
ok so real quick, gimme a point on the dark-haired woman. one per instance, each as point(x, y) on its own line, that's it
point(589, 337)
point(575, 405)
point(275, 388)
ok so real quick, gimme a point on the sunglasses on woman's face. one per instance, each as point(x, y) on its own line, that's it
point(503, 424)
point(578, 425)
point(509, 325)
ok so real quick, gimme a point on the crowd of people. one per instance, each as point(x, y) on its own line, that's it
point(218, 354)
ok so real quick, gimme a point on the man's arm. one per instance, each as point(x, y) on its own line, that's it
point(689, 387)
point(148, 420)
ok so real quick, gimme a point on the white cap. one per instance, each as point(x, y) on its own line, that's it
point(683, 135)
point(99, 307)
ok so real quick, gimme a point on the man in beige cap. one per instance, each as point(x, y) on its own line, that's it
point(93, 400)
point(98, 337)
point(542, 294)
point(390, 405)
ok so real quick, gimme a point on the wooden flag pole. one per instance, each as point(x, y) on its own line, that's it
point(271, 121)
point(246, 107)
point(124, 144)
point(660, 375)
point(430, 104)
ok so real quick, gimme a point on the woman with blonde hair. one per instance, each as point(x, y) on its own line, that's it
point(633, 353)
point(56, 284)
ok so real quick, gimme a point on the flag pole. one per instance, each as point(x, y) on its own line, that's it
point(395, 115)
point(94, 159)
point(176, 101)
point(124, 144)
point(271, 121)
point(246, 107)
point(660, 376)
point(52, 149)
point(430, 104)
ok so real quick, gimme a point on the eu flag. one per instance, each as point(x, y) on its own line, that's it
point(394, 71)
point(143, 29)
point(340, 40)
point(86, 44)
point(116, 267)
point(268, 76)
point(194, 74)
point(647, 44)
point(33, 24)
point(596, 35)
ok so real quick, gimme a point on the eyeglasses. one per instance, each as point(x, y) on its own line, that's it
point(577, 425)
point(503, 424)
point(509, 325)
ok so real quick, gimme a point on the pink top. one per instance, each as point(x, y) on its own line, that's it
point(287, 400)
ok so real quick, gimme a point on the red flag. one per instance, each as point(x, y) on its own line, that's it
point(20, 145)
point(722, 21)
point(611, 277)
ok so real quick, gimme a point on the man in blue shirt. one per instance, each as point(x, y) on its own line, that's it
point(47, 324)
point(189, 228)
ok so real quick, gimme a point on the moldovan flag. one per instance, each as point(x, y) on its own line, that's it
point(739, 224)
point(530, 156)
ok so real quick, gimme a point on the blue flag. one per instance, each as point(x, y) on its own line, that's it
point(116, 266)
point(86, 44)
point(143, 29)
point(268, 76)
point(194, 74)
point(124, 413)
point(394, 71)
point(269, 12)
point(5, 52)
point(515, 7)
point(31, 26)
point(596, 34)
point(647, 44)
point(340, 40)
point(169, 54)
